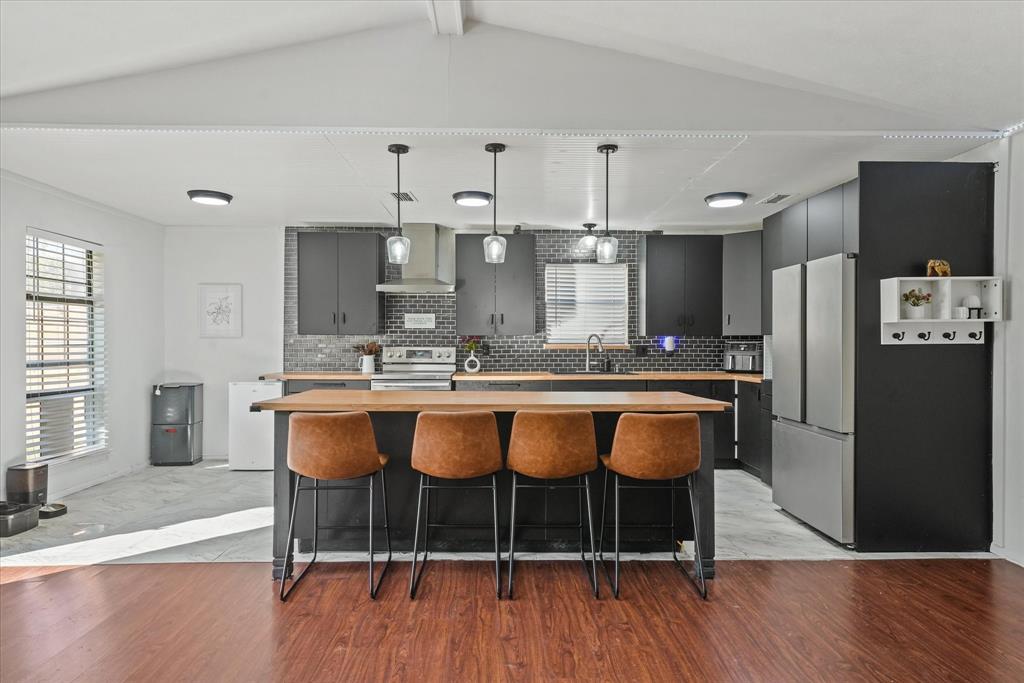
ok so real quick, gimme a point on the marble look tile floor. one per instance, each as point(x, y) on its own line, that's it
point(208, 513)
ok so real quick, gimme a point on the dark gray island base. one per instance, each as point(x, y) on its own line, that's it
point(394, 419)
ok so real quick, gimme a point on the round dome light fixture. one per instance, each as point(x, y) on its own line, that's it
point(723, 200)
point(210, 197)
point(472, 198)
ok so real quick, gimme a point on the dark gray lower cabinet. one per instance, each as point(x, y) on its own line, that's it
point(748, 428)
point(294, 386)
point(725, 440)
point(503, 385)
point(599, 385)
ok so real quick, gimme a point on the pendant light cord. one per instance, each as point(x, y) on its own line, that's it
point(398, 188)
point(494, 196)
point(606, 155)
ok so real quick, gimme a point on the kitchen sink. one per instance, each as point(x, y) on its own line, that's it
point(580, 371)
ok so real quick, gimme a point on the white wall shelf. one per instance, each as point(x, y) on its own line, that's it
point(939, 326)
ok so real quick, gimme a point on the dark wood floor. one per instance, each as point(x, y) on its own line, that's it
point(943, 620)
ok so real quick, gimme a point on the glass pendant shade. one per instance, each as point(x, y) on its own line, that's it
point(607, 249)
point(398, 249)
point(587, 243)
point(494, 249)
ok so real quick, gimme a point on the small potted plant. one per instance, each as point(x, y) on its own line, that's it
point(917, 301)
point(367, 352)
point(472, 363)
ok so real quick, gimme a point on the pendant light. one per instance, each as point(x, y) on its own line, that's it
point(494, 244)
point(588, 242)
point(398, 245)
point(607, 246)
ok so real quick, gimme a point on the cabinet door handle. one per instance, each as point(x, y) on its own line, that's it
point(728, 319)
point(492, 320)
point(679, 321)
point(343, 318)
point(334, 318)
point(501, 319)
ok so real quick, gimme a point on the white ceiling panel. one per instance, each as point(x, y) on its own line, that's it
point(281, 178)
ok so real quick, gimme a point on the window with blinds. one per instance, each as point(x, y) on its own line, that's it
point(584, 298)
point(65, 401)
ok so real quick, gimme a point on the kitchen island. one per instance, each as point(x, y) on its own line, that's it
point(394, 419)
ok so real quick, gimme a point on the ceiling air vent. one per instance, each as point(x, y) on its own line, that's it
point(403, 196)
point(775, 198)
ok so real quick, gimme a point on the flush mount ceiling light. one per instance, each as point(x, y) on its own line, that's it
point(588, 242)
point(210, 197)
point(607, 246)
point(494, 244)
point(472, 198)
point(723, 200)
point(398, 246)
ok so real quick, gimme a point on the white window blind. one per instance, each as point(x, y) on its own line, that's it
point(584, 298)
point(65, 387)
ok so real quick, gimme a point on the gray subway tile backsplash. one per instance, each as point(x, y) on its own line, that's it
point(512, 353)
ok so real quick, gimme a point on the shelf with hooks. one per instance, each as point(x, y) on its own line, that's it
point(955, 311)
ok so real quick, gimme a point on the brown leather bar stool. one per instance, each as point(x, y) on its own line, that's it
point(330, 447)
point(554, 445)
point(655, 448)
point(462, 445)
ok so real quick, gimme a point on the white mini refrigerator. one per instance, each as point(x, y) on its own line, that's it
point(251, 435)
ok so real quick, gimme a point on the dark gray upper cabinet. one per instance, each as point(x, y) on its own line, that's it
point(663, 282)
point(338, 274)
point(741, 283)
point(771, 244)
point(825, 224)
point(681, 285)
point(495, 298)
point(318, 282)
point(702, 289)
point(793, 237)
point(851, 216)
point(515, 293)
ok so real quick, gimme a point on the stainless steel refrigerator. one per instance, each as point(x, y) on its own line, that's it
point(813, 358)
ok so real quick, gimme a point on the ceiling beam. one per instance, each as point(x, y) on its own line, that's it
point(446, 16)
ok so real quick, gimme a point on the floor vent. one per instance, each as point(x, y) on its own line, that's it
point(775, 198)
point(403, 196)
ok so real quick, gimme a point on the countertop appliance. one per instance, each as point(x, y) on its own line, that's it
point(813, 353)
point(176, 433)
point(421, 368)
point(744, 357)
point(251, 435)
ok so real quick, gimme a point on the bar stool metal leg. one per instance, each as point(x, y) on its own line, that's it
point(414, 577)
point(375, 587)
point(497, 548)
point(291, 535)
point(698, 560)
point(590, 526)
point(512, 537)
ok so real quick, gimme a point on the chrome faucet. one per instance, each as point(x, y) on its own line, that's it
point(600, 348)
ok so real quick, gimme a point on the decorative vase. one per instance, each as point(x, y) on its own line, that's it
point(366, 365)
point(917, 312)
point(472, 363)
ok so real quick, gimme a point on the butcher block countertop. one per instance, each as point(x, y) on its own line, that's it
point(718, 376)
point(335, 400)
point(317, 376)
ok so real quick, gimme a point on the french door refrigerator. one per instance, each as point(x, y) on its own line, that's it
point(813, 359)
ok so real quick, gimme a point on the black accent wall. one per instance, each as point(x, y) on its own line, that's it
point(923, 413)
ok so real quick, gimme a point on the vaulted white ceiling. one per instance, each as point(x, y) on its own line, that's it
point(290, 105)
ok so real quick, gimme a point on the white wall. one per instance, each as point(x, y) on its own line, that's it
point(132, 250)
point(253, 257)
point(1008, 341)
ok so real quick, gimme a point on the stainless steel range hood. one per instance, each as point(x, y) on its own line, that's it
point(431, 266)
